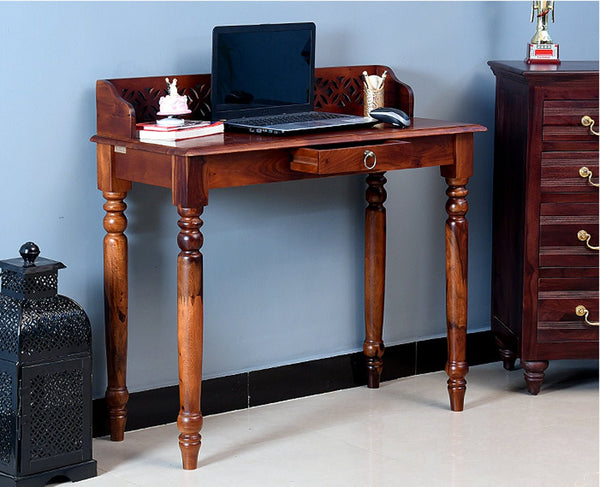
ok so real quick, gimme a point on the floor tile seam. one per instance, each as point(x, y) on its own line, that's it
point(120, 478)
point(359, 447)
point(357, 417)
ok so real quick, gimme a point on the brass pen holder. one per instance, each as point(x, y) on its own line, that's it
point(373, 92)
point(372, 99)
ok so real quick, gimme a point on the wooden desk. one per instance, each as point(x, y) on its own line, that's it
point(196, 166)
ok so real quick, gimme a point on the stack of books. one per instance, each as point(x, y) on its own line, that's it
point(159, 134)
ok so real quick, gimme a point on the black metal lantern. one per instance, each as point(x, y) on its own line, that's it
point(45, 376)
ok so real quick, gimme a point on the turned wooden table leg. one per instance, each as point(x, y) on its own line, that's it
point(456, 290)
point(115, 299)
point(189, 333)
point(373, 347)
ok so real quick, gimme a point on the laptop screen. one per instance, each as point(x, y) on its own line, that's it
point(262, 70)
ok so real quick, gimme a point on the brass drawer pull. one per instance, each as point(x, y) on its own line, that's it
point(588, 121)
point(369, 154)
point(584, 172)
point(585, 237)
point(581, 310)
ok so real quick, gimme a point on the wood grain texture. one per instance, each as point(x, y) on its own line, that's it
point(115, 302)
point(189, 333)
point(456, 290)
point(375, 250)
point(350, 160)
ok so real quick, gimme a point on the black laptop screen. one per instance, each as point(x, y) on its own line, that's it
point(262, 69)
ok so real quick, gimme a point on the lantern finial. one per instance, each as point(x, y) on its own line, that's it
point(29, 251)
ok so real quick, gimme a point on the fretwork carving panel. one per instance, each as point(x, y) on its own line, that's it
point(339, 94)
point(146, 101)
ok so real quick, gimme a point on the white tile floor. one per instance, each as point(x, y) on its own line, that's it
point(400, 435)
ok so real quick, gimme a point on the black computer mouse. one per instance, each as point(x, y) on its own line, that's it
point(395, 116)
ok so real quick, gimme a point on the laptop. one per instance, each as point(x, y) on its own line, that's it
point(263, 80)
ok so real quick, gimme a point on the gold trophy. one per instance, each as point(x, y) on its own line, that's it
point(541, 48)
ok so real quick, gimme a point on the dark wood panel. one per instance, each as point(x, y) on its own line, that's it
point(540, 203)
point(559, 306)
point(560, 172)
point(569, 112)
point(587, 197)
point(566, 344)
point(567, 209)
point(570, 272)
point(566, 71)
point(562, 230)
point(554, 133)
point(508, 229)
point(568, 284)
point(568, 256)
point(571, 144)
point(571, 338)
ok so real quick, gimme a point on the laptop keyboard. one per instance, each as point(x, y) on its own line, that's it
point(291, 118)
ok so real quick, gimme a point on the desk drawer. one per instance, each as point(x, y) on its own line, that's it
point(355, 159)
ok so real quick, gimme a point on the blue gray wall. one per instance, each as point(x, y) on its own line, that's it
point(283, 262)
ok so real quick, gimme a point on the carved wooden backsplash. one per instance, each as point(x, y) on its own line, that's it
point(336, 94)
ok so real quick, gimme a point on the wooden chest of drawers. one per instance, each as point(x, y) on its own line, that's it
point(545, 218)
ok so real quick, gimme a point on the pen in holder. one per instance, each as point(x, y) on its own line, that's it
point(373, 92)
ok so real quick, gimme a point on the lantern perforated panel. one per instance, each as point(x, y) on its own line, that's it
point(30, 285)
point(63, 412)
point(7, 416)
point(10, 312)
point(53, 326)
point(57, 419)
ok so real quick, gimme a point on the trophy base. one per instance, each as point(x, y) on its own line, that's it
point(543, 54)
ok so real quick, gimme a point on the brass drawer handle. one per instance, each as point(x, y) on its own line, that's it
point(369, 154)
point(588, 121)
point(581, 310)
point(584, 172)
point(585, 237)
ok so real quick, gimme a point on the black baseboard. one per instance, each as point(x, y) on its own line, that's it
point(291, 381)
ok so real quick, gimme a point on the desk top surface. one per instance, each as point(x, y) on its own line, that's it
point(235, 142)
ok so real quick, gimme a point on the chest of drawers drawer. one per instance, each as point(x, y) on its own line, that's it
point(558, 300)
point(563, 126)
point(569, 172)
point(562, 119)
point(562, 226)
